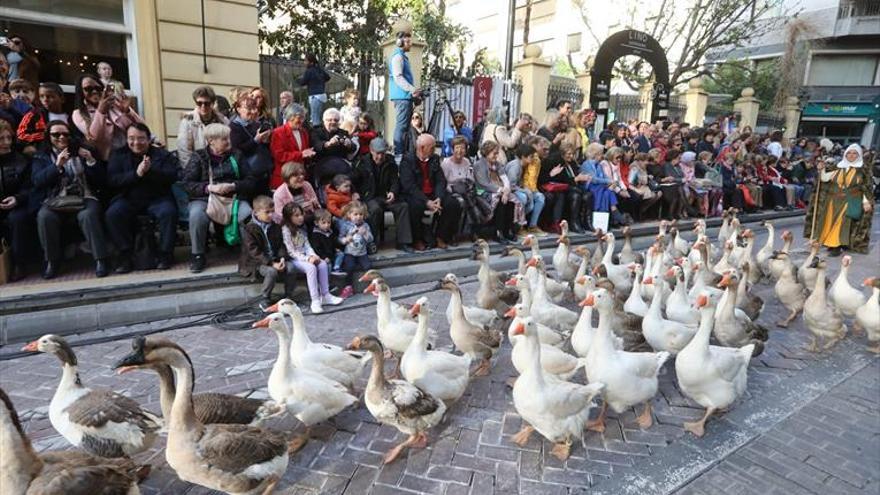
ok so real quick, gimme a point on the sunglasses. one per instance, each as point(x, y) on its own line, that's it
point(202, 103)
point(58, 135)
point(91, 89)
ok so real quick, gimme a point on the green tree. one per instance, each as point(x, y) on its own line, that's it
point(732, 76)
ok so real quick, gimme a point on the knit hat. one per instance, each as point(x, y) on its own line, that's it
point(688, 157)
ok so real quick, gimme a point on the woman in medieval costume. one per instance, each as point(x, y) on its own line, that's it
point(841, 209)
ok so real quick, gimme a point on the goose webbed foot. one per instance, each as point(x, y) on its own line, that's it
point(561, 450)
point(522, 438)
point(598, 424)
point(875, 349)
point(482, 369)
point(298, 442)
point(814, 346)
point(698, 428)
point(270, 486)
point(393, 454)
point(645, 420)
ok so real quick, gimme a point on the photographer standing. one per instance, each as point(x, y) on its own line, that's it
point(402, 91)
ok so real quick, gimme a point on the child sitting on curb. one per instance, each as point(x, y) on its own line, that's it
point(303, 258)
point(263, 251)
point(324, 242)
point(355, 236)
point(338, 194)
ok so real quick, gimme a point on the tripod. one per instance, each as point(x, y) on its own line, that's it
point(440, 104)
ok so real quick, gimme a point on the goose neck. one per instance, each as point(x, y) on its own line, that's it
point(18, 456)
point(183, 417)
point(377, 372)
point(167, 389)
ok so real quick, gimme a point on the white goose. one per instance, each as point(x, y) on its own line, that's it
point(584, 267)
point(564, 262)
point(309, 397)
point(748, 256)
point(776, 268)
point(806, 274)
point(763, 256)
point(555, 408)
point(395, 333)
point(328, 360)
point(400, 311)
point(545, 311)
point(789, 291)
point(868, 315)
point(441, 374)
point(617, 274)
point(662, 334)
point(844, 296)
point(476, 315)
point(630, 378)
point(554, 360)
point(634, 303)
point(712, 376)
point(678, 307)
point(725, 263)
point(679, 244)
point(101, 422)
point(822, 319)
point(546, 334)
point(584, 333)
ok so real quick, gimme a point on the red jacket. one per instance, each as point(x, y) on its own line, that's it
point(284, 149)
point(336, 200)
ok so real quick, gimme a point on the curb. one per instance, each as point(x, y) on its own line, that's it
point(73, 311)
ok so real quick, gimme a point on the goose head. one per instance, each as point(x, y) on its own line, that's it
point(480, 250)
point(53, 344)
point(582, 251)
point(274, 322)
point(587, 281)
point(377, 286)
point(779, 256)
point(563, 227)
point(286, 306)
point(151, 352)
point(448, 282)
point(706, 300)
point(515, 310)
point(606, 284)
point(627, 231)
point(530, 240)
point(818, 263)
point(729, 279)
point(421, 307)
point(519, 281)
point(787, 236)
point(872, 282)
point(370, 275)
point(600, 299)
point(748, 234)
point(636, 269)
point(369, 343)
point(526, 327)
point(846, 261)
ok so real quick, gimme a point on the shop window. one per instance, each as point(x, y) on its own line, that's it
point(64, 52)
point(842, 70)
point(98, 10)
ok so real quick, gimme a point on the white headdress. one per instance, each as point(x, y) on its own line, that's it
point(845, 164)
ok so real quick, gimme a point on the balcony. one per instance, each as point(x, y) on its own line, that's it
point(857, 18)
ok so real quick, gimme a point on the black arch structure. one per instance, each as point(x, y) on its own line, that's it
point(621, 44)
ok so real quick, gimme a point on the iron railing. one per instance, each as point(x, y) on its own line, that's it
point(625, 107)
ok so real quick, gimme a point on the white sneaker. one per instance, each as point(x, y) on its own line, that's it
point(331, 300)
point(316, 307)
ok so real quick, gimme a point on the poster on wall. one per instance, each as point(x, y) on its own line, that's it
point(482, 97)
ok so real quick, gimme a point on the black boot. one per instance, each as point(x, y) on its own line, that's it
point(123, 264)
point(574, 209)
point(617, 219)
point(166, 261)
point(50, 271)
point(102, 269)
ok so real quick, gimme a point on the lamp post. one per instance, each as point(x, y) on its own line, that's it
point(508, 63)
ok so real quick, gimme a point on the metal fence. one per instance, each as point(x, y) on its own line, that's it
point(624, 107)
point(561, 88)
point(678, 109)
point(461, 97)
point(768, 121)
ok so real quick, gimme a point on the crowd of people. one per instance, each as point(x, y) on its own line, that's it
point(303, 194)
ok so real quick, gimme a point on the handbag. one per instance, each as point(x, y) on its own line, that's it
point(69, 198)
point(220, 207)
point(555, 187)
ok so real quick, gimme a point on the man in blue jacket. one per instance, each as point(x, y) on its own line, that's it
point(401, 89)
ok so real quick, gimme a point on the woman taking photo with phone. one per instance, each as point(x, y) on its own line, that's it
point(102, 115)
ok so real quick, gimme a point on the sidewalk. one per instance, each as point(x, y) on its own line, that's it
point(77, 301)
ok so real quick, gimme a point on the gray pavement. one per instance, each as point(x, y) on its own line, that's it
point(809, 423)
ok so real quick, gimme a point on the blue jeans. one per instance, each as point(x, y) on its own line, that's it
point(533, 204)
point(316, 106)
point(403, 110)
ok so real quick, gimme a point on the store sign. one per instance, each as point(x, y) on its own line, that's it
point(482, 97)
point(840, 110)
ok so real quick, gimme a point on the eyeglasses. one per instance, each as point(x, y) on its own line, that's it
point(91, 89)
point(203, 103)
point(58, 135)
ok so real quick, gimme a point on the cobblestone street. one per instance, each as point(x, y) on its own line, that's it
point(808, 423)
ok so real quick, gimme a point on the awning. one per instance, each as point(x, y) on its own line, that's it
point(841, 111)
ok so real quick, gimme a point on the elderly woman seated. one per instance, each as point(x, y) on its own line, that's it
point(333, 147)
point(290, 143)
point(219, 170)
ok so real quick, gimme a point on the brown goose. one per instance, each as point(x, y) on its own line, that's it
point(625, 325)
point(398, 403)
point(520, 258)
point(478, 342)
point(230, 458)
point(492, 293)
point(57, 473)
point(210, 408)
point(101, 422)
point(751, 304)
point(627, 254)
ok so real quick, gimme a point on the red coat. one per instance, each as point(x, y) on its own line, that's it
point(284, 149)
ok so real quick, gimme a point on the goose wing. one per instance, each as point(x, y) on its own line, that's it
point(410, 401)
point(83, 477)
point(234, 448)
point(212, 408)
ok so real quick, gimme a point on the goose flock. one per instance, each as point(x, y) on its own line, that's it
point(602, 326)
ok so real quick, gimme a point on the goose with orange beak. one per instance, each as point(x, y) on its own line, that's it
point(522, 309)
point(557, 409)
point(441, 374)
point(401, 312)
point(868, 314)
point(564, 262)
point(543, 309)
point(733, 328)
point(712, 376)
point(555, 361)
point(822, 318)
point(846, 298)
point(630, 378)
